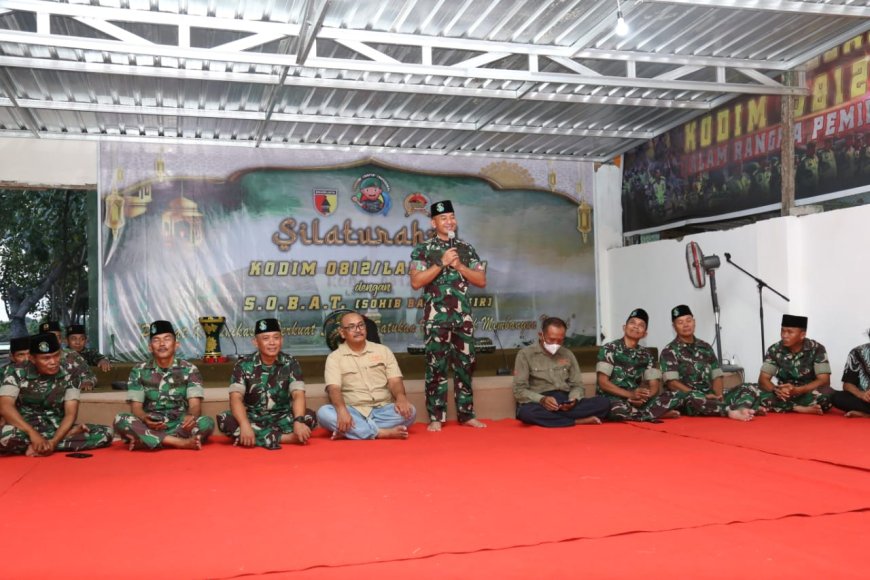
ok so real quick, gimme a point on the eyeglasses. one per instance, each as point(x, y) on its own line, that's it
point(357, 326)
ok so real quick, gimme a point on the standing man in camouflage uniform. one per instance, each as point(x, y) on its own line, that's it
point(627, 375)
point(691, 371)
point(801, 369)
point(86, 378)
point(548, 385)
point(262, 390)
point(366, 392)
point(77, 340)
point(39, 399)
point(444, 266)
point(165, 396)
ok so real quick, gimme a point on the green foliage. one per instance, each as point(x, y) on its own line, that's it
point(43, 256)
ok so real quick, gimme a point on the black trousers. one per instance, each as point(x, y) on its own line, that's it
point(536, 414)
point(846, 401)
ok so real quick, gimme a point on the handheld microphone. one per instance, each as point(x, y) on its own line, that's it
point(451, 238)
point(727, 256)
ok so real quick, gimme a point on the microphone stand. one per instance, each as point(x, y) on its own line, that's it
point(761, 286)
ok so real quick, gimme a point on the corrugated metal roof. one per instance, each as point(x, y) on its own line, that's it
point(539, 78)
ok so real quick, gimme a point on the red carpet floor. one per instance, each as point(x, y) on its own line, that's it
point(700, 497)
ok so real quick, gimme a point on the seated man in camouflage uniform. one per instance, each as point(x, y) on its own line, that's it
point(39, 399)
point(365, 388)
point(19, 350)
point(801, 369)
point(165, 396)
point(548, 385)
point(77, 340)
point(691, 370)
point(86, 377)
point(854, 399)
point(263, 388)
point(627, 375)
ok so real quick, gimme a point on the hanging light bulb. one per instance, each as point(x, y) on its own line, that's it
point(621, 26)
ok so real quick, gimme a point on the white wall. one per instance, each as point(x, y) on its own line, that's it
point(815, 260)
point(48, 162)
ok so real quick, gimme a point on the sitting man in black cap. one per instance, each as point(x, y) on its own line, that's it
point(77, 340)
point(854, 399)
point(267, 395)
point(165, 396)
point(19, 350)
point(39, 399)
point(627, 375)
point(87, 379)
point(548, 385)
point(691, 370)
point(801, 369)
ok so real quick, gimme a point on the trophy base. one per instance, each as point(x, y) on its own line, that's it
point(214, 358)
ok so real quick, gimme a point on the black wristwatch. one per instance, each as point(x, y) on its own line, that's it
point(299, 419)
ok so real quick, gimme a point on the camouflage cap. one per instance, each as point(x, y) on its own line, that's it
point(267, 325)
point(19, 343)
point(639, 313)
point(160, 327)
point(50, 326)
point(791, 321)
point(681, 310)
point(45, 343)
point(440, 207)
point(75, 329)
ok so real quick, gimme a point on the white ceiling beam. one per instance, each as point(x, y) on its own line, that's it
point(574, 66)
point(813, 8)
point(248, 42)
point(386, 64)
point(148, 17)
point(615, 100)
point(113, 30)
point(229, 142)
point(368, 51)
point(683, 71)
point(480, 60)
point(313, 14)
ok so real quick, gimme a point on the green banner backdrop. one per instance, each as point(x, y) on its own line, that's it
point(246, 235)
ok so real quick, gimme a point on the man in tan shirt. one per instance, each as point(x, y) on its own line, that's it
point(365, 388)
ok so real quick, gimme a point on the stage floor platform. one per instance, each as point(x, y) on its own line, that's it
point(784, 496)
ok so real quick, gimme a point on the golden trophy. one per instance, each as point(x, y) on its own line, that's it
point(212, 326)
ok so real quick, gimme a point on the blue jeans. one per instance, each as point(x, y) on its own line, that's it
point(385, 417)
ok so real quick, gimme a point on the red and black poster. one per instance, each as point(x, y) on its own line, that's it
point(727, 162)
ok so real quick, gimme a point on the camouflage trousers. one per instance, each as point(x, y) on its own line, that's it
point(448, 348)
point(696, 403)
point(268, 427)
point(14, 441)
point(773, 404)
point(133, 430)
point(622, 410)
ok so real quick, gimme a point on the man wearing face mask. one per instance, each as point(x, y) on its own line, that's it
point(548, 386)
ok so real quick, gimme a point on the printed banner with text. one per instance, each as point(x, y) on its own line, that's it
point(727, 163)
point(244, 235)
